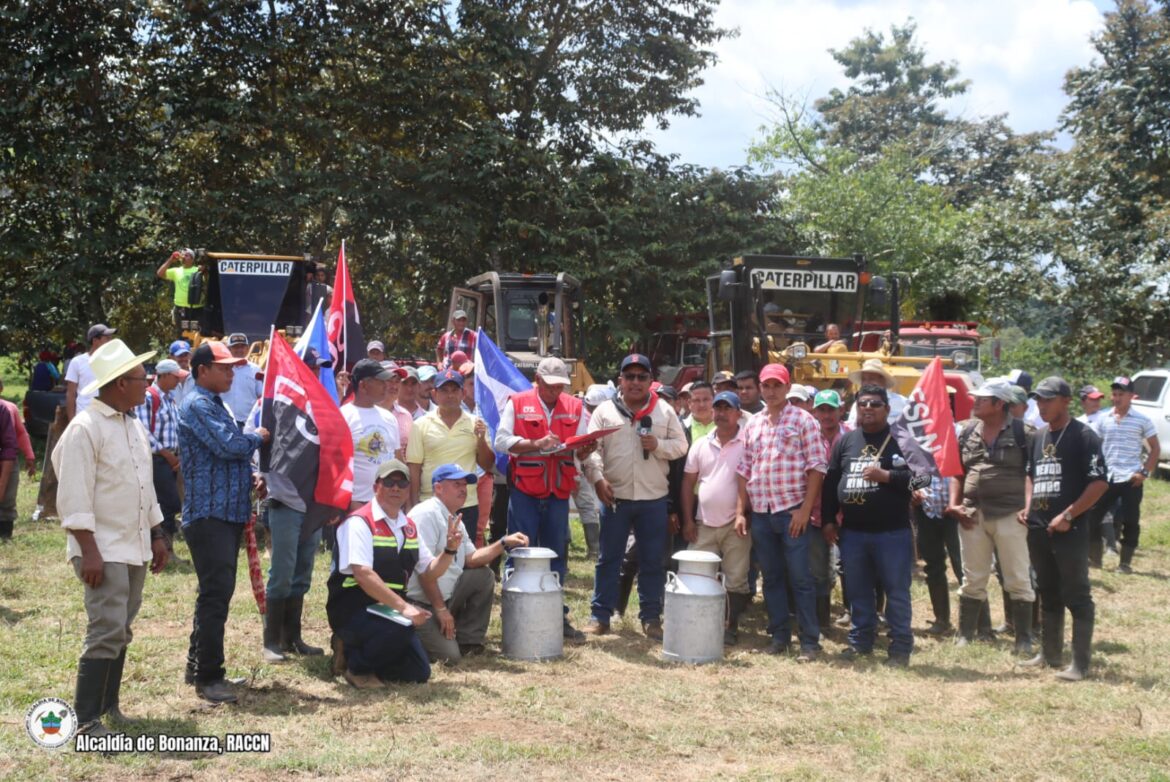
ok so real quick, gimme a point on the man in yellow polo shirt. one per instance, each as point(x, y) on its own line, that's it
point(448, 434)
point(185, 308)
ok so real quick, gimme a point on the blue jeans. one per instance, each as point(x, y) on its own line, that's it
point(785, 560)
point(291, 571)
point(648, 519)
point(546, 523)
point(873, 559)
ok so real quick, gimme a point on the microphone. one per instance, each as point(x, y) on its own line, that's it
point(644, 427)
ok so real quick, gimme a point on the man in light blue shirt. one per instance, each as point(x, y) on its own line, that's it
point(247, 380)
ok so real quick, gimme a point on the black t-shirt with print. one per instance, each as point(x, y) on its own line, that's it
point(1061, 465)
point(867, 505)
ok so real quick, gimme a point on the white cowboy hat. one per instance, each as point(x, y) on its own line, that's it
point(111, 361)
point(871, 365)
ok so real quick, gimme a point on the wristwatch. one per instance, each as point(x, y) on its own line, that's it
point(1067, 516)
point(1144, 472)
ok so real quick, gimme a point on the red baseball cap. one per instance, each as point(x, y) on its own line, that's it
point(775, 372)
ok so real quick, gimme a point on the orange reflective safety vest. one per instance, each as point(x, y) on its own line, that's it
point(534, 474)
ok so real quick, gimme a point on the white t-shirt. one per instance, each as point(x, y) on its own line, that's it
point(82, 374)
point(355, 542)
point(375, 439)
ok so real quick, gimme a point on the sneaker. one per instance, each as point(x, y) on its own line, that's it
point(596, 627)
point(572, 635)
point(898, 661)
point(1125, 568)
point(845, 620)
point(364, 681)
point(852, 654)
point(778, 647)
point(808, 655)
point(653, 630)
point(730, 637)
point(216, 692)
point(939, 628)
point(1071, 674)
point(471, 650)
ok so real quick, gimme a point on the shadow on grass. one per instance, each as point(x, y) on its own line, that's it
point(279, 698)
point(1111, 647)
point(10, 617)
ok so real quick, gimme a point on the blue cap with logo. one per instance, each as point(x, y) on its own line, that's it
point(449, 376)
point(727, 397)
point(636, 359)
point(452, 472)
point(179, 347)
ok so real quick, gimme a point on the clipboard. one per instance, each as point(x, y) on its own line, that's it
point(386, 612)
point(582, 439)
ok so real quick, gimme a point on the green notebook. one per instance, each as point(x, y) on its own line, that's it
point(386, 612)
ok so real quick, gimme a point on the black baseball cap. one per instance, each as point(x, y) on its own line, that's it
point(1122, 383)
point(367, 369)
point(1051, 387)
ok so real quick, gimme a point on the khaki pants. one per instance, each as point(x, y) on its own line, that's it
point(111, 608)
point(471, 606)
point(735, 551)
point(1008, 540)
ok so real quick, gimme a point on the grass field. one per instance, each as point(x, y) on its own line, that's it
point(609, 710)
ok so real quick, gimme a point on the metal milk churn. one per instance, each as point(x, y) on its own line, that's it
point(694, 612)
point(532, 606)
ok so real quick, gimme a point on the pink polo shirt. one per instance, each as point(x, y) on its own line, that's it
point(715, 464)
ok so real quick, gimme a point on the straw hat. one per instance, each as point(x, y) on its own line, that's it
point(871, 365)
point(111, 361)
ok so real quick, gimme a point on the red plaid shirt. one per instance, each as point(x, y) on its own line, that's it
point(449, 343)
point(777, 456)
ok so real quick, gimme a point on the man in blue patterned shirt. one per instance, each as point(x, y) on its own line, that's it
point(159, 415)
point(217, 476)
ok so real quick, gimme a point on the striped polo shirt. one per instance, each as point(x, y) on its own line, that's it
point(1121, 443)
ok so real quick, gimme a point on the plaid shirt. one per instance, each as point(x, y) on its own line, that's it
point(777, 456)
point(164, 435)
point(937, 496)
point(449, 343)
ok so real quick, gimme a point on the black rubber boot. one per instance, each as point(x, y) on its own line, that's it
point(1082, 645)
point(1022, 619)
point(940, 603)
point(89, 697)
point(114, 693)
point(337, 664)
point(736, 603)
point(824, 613)
point(592, 541)
point(1008, 625)
point(274, 630)
point(983, 630)
point(1126, 559)
point(294, 607)
point(625, 587)
point(969, 610)
point(1051, 641)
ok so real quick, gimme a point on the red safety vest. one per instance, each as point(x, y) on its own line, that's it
point(536, 475)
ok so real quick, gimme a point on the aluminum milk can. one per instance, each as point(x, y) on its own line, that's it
point(695, 607)
point(532, 606)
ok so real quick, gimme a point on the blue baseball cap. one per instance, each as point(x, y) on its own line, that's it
point(449, 376)
point(179, 347)
point(636, 359)
point(727, 397)
point(452, 472)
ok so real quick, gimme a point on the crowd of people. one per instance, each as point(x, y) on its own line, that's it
point(793, 487)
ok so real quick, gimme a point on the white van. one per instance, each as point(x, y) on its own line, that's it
point(1152, 387)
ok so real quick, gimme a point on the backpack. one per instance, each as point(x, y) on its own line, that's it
point(155, 404)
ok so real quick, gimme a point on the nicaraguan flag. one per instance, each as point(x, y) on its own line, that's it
point(316, 338)
point(496, 379)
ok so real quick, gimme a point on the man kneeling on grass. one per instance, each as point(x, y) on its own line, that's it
point(457, 591)
point(377, 549)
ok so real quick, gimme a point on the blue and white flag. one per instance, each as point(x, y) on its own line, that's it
point(496, 379)
point(316, 337)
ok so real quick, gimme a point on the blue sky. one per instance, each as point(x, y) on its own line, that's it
point(1014, 52)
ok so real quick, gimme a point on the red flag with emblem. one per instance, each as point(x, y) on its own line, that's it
point(344, 326)
point(928, 425)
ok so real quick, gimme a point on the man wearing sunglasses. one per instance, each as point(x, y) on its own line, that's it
point(629, 470)
point(458, 591)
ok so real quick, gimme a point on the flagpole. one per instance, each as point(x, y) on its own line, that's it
point(346, 295)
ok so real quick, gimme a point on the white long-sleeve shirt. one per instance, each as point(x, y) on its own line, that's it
point(506, 438)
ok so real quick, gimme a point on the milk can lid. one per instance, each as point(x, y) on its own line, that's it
point(532, 553)
point(696, 556)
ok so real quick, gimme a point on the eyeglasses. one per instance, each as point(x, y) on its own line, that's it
point(871, 403)
point(636, 377)
point(396, 483)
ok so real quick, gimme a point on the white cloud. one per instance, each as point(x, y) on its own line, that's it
point(1014, 52)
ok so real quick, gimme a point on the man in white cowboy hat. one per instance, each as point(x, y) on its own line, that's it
point(113, 521)
point(874, 372)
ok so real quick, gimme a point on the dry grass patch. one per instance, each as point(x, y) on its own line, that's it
point(612, 710)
